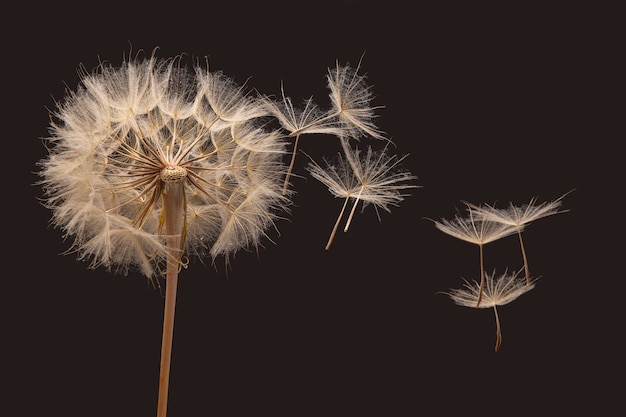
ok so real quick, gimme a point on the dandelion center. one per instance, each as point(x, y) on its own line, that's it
point(172, 173)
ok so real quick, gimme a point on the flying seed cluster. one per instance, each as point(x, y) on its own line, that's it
point(484, 224)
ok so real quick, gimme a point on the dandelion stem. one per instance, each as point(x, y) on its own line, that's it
point(356, 201)
point(293, 159)
point(332, 234)
point(482, 275)
point(498, 330)
point(173, 209)
point(521, 243)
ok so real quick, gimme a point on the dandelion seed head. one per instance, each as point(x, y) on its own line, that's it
point(128, 132)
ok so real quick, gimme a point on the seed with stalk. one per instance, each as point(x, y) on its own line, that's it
point(476, 230)
point(498, 291)
point(373, 177)
point(519, 216)
point(351, 114)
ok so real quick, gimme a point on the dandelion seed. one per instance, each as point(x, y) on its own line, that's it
point(373, 178)
point(519, 216)
point(351, 115)
point(476, 230)
point(309, 119)
point(351, 99)
point(497, 291)
point(149, 160)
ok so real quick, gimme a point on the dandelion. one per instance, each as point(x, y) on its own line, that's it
point(374, 178)
point(476, 230)
point(309, 119)
point(519, 216)
point(497, 292)
point(150, 161)
point(351, 114)
point(351, 99)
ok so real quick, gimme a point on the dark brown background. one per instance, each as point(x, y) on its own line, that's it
point(492, 104)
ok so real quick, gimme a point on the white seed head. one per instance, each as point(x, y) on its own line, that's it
point(128, 132)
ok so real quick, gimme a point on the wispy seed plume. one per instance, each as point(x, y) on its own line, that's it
point(478, 231)
point(372, 177)
point(520, 216)
point(497, 291)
